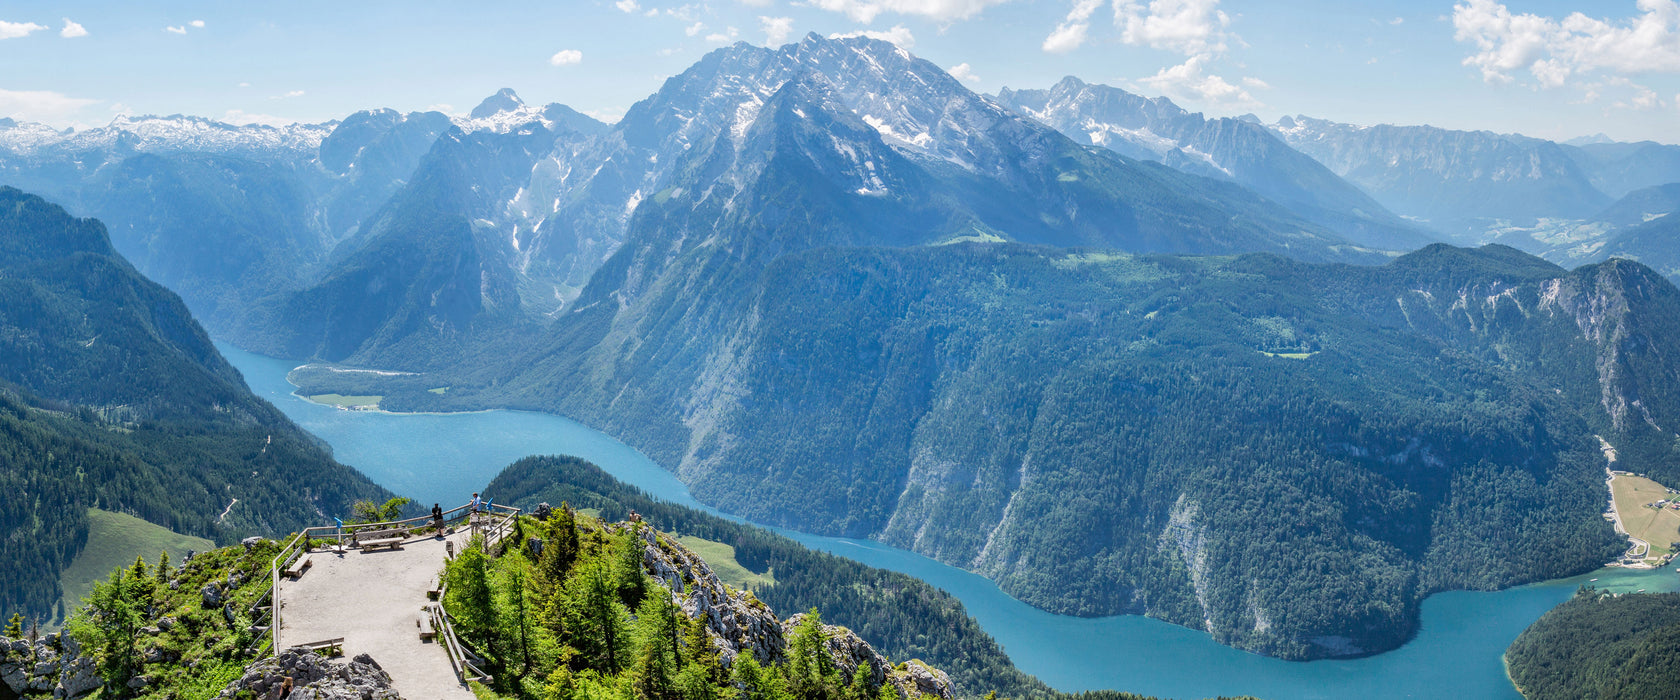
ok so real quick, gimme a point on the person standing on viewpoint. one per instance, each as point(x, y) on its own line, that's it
point(437, 518)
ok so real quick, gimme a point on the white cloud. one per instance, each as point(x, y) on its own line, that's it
point(1065, 38)
point(1191, 81)
point(776, 29)
point(289, 95)
point(727, 35)
point(963, 72)
point(566, 57)
point(240, 116)
point(244, 85)
point(197, 23)
point(627, 5)
point(608, 116)
point(40, 105)
point(695, 28)
point(1070, 34)
point(1196, 29)
point(72, 30)
point(897, 35)
point(175, 30)
point(1553, 50)
point(866, 11)
point(1189, 27)
point(1397, 21)
point(443, 107)
point(16, 30)
point(755, 3)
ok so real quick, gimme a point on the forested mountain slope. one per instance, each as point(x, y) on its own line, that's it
point(111, 395)
point(1599, 646)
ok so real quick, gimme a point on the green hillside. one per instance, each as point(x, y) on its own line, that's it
point(114, 541)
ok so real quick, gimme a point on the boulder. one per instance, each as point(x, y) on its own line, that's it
point(916, 679)
point(314, 677)
point(81, 676)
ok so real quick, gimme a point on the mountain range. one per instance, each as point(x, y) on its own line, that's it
point(1118, 357)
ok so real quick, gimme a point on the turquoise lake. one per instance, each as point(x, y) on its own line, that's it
point(445, 457)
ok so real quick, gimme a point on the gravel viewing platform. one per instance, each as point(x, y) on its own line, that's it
point(372, 600)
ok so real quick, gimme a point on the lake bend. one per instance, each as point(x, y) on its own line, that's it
point(1457, 652)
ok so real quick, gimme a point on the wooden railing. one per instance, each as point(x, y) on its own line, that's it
point(502, 518)
point(459, 659)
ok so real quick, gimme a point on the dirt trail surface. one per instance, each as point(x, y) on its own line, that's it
point(372, 600)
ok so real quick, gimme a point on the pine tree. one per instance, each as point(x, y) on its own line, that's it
point(632, 580)
point(14, 627)
point(810, 671)
point(657, 660)
point(561, 550)
point(469, 595)
point(698, 648)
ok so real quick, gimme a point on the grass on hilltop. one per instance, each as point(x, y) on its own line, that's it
point(115, 539)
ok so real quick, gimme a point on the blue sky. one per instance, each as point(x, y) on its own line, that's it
point(1545, 68)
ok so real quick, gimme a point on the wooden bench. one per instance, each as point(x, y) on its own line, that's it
point(297, 567)
point(372, 539)
point(428, 631)
point(333, 647)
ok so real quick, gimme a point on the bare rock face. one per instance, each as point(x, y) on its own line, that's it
point(851, 654)
point(298, 673)
point(736, 620)
point(53, 663)
point(915, 679)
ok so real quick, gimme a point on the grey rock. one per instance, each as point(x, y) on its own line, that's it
point(212, 595)
point(736, 621)
point(314, 677)
point(917, 679)
point(81, 676)
point(139, 682)
point(14, 675)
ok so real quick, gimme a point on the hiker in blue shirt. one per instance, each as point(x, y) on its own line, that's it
point(477, 503)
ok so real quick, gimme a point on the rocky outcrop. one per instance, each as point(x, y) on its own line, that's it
point(851, 654)
point(299, 673)
point(54, 663)
point(736, 620)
